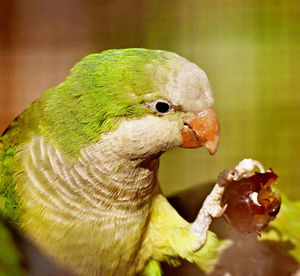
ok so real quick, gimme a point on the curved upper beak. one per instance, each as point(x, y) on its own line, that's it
point(202, 130)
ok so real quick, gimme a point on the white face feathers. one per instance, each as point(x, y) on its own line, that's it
point(188, 86)
point(144, 137)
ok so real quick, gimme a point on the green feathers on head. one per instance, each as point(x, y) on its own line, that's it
point(102, 90)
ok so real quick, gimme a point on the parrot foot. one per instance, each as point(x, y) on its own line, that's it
point(212, 206)
point(216, 211)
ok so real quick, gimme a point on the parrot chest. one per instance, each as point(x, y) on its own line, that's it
point(89, 215)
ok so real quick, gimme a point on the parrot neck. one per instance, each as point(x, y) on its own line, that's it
point(129, 183)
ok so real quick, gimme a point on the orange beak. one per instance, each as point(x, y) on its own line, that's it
point(202, 130)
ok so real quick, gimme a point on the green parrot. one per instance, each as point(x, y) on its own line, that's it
point(78, 168)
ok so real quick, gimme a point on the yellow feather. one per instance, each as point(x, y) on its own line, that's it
point(168, 236)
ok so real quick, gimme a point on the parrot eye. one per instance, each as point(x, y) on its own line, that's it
point(161, 106)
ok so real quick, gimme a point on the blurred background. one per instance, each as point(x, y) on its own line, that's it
point(249, 49)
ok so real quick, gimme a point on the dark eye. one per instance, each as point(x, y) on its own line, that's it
point(162, 107)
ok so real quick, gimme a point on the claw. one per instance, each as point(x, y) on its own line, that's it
point(197, 244)
point(217, 211)
point(223, 210)
point(246, 167)
point(227, 176)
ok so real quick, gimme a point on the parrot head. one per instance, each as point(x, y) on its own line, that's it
point(142, 102)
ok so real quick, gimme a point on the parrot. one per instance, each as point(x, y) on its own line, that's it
point(79, 166)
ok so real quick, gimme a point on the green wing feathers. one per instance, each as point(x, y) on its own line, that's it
point(8, 201)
